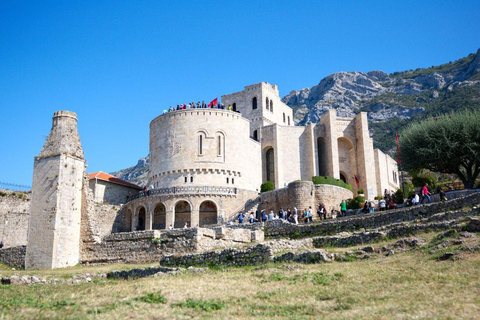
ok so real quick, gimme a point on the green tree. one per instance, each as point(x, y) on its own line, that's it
point(267, 186)
point(447, 144)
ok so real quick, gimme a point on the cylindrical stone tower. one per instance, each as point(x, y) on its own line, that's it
point(54, 226)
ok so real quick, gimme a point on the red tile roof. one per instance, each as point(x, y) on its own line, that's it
point(107, 177)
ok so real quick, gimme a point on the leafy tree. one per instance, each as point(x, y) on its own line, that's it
point(448, 144)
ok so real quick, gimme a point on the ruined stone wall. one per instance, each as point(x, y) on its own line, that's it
point(281, 228)
point(258, 254)
point(14, 214)
point(149, 246)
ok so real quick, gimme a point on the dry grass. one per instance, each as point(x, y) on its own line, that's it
point(404, 286)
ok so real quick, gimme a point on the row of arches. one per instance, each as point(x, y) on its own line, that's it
point(182, 214)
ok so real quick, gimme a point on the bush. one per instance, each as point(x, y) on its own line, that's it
point(360, 191)
point(355, 203)
point(331, 181)
point(398, 196)
point(267, 186)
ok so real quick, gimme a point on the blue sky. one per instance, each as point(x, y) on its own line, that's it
point(119, 64)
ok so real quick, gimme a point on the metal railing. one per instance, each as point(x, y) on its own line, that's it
point(190, 190)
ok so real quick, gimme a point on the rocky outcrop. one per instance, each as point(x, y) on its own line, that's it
point(136, 174)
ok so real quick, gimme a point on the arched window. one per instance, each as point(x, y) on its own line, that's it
point(284, 117)
point(220, 142)
point(271, 105)
point(288, 120)
point(270, 165)
point(235, 107)
point(201, 141)
point(254, 103)
point(266, 100)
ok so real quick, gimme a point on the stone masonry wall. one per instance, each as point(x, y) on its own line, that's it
point(281, 228)
point(303, 194)
point(14, 214)
point(14, 256)
point(229, 257)
point(148, 246)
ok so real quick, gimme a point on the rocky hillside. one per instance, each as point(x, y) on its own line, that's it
point(136, 174)
point(391, 100)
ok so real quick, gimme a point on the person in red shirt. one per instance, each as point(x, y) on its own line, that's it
point(425, 194)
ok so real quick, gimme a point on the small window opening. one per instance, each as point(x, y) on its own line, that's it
point(191, 179)
point(186, 179)
point(227, 180)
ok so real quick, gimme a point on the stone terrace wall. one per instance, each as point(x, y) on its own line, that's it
point(229, 257)
point(14, 215)
point(281, 228)
point(149, 246)
point(14, 256)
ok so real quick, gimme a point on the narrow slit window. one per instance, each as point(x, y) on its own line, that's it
point(186, 179)
point(227, 180)
point(191, 179)
point(219, 138)
point(200, 144)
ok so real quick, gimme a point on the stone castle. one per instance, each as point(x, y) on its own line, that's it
point(206, 165)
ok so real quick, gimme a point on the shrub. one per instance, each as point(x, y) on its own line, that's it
point(398, 196)
point(360, 191)
point(267, 186)
point(331, 181)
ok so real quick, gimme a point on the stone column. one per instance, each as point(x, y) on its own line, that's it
point(169, 218)
point(365, 157)
point(148, 216)
point(331, 143)
point(308, 155)
point(194, 218)
point(55, 212)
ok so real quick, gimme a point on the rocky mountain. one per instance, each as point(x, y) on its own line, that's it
point(136, 174)
point(391, 100)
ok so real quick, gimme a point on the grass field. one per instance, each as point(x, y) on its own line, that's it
point(410, 285)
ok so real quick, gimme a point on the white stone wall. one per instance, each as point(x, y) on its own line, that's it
point(385, 168)
point(261, 116)
point(175, 156)
point(110, 193)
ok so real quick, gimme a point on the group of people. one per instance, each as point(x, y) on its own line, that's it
point(291, 215)
point(199, 105)
point(426, 195)
point(387, 202)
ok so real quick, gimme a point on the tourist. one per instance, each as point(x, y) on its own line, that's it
point(241, 216)
point(386, 194)
point(425, 194)
point(371, 207)
point(170, 109)
point(343, 208)
point(252, 219)
point(271, 215)
point(281, 213)
point(366, 207)
point(170, 227)
point(391, 204)
point(295, 215)
point(382, 204)
point(264, 215)
point(310, 214)
point(230, 108)
point(289, 215)
point(443, 196)
point(185, 226)
point(305, 215)
point(416, 199)
point(333, 213)
point(203, 105)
